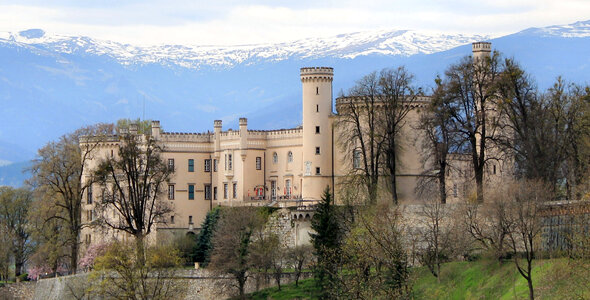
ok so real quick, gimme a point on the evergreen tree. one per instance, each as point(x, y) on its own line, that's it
point(326, 241)
point(202, 253)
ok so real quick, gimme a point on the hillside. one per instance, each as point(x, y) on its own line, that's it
point(553, 279)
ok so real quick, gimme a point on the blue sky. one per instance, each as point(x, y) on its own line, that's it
point(265, 21)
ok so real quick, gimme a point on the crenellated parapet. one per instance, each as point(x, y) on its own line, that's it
point(317, 74)
point(418, 103)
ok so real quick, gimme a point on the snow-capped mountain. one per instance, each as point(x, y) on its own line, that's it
point(579, 29)
point(53, 84)
point(382, 42)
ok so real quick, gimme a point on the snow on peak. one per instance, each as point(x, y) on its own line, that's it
point(351, 45)
point(579, 29)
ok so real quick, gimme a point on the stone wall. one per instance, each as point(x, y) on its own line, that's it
point(199, 284)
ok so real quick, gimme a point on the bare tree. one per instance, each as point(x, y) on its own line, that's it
point(469, 98)
point(362, 132)
point(436, 231)
point(372, 117)
point(132, 183)
point(526, 199)
point(398, 96)
point(232, 244)
point(299, 257)
point(437, 144)
point(57, 177)
point(489, 224)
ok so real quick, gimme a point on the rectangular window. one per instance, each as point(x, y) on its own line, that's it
point(171, 164)
point(207, 165)
point(89, 215)
point(317, 150)
point(258, 163)
point(171, 219)
point(273, 189)
point(288, 187)
point(235, 190)
point(317, 171)
point(215, 165)
point(170, 192)
point(207, 192)
point(356, 159)
point(317, 108)
point(191, 165)
point(225, 191)
point(225, 160)
point(494, 169)
point(89, 194)
point(214, 193)
point(191, 192)
point(229, 162)
point(317, 129)
point(190, 220)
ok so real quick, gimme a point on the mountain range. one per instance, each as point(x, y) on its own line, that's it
point(52, 84)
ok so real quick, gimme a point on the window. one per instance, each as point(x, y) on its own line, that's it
point(290, 157)
point(88, 238)
point(258, 163)
point(191, 192)
point(214, 193)
point(356, 159)
point(235, 190)
point(288, 187)
point(317, 150)
point(229, 162)
point(171, 219)
point(89, 194)
point(89, 215)
point(317, 90)
point(494, 171)
point(215, 165)
point(225, 191)
point(171, 164)
point(317, 129)
point(275, 158)
point(207, 165)
point(207, 192)
point(317, 108)
point(112, 153)
point(190, 220)
point(273, 189)
point(317, 170)
point(170, 192)
point(191, 165)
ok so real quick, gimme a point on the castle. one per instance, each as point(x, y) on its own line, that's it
point(286, 167)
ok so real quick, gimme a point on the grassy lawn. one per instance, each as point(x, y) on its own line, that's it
point(306, 290)
point(484, 279)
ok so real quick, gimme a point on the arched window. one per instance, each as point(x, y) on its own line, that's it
point(290, 156)
point(275, 158)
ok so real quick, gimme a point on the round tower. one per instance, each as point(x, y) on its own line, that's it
point(317, 130)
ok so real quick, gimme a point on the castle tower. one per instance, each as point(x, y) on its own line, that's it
point(481, 50)
point(317, 130)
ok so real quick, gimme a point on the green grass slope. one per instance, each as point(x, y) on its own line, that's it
point(484, 279)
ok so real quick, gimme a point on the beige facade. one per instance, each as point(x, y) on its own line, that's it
point(286, 167)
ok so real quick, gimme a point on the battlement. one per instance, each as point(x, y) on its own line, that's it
point(317, 73)
point(481, 46)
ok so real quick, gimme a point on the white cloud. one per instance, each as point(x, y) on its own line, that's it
point(220, 23)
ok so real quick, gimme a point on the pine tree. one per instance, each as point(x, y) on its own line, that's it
point(326, 242)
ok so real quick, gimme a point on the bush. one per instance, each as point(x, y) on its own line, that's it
point(23, 277)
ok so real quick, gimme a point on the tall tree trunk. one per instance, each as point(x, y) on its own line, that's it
point(140, 249)
point(442, 184)
point(479, 183)
point(74, 256)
